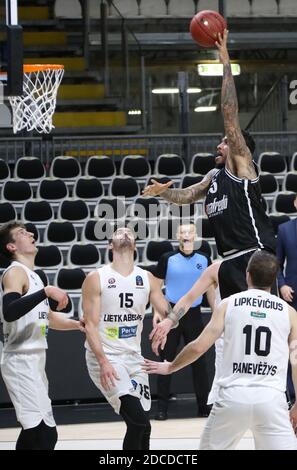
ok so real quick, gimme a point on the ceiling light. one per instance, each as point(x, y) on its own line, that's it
point(194, 90)
point(134, 112)
point(173, 91)
point(216, 70)
point(164, 91)
point(204, 109)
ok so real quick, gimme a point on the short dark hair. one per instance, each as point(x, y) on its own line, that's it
point(263, 268)
point(5, 237)
point(250, 143)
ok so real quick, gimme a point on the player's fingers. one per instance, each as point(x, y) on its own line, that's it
point(153, 332)
point(155, 348)
point(163, 343)
point(168, 184)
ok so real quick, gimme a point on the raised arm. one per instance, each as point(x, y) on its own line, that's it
point(239, 160)
point(196, 348)
point(206, 282)
point(180, 196)
point(91, 300)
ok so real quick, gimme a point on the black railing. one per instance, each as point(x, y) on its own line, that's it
point(151, 146)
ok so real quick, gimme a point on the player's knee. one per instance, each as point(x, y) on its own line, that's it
point(133, 413)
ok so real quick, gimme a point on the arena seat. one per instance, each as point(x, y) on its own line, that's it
point(202, 163)
point(37, 212)
point(154, 249)
point(124, 186)
point(110, 208)
point(48, 257)
point(30, 169)
point(7, 212)
point(290, 182)
point(73, 210)
point(135, 166)
point(277, 219)
point(60, 233)
point(190, 179)
point(66, 168)
point(85, 256)
point(87, 188)
point(171, 165)
point(283, 202)
point(17, 192)
point(52, 190)
point(4, 171)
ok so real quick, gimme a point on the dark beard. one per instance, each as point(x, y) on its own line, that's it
point(219, 166)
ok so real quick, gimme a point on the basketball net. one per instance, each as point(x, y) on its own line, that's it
point(35, 108)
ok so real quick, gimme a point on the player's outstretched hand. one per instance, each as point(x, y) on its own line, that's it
point(159, 333)
point(156, 188)
point(221, 44)
point(152, 367)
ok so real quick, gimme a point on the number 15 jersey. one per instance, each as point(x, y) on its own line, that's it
point(123, 304)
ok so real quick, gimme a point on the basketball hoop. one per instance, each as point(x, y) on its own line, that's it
point(35, 108)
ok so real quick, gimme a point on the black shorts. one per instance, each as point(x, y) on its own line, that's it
point(232, 276)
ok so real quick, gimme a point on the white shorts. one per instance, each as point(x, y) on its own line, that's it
point(132, 379)
point(27, 385)
point(268, 420)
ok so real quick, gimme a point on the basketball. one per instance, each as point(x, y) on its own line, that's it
point(205, 27)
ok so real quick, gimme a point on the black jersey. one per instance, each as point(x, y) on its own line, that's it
point(235, 209)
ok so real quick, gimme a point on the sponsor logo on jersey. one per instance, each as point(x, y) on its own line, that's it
point(139, 281)
point(134, 383)
point(199, 266)
point(44, 330)
point(127, 331)
point(112, 332)
point(121, 332)
point(217, 206)
point(258, 314)
point(111, 283)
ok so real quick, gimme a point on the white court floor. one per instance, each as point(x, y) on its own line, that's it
point(173, 434)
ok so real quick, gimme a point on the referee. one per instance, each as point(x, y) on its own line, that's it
point(179, 270)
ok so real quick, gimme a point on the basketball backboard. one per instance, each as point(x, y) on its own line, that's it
point(11, 49)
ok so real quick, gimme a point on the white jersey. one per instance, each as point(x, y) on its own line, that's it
point(28, 333)
point(256, 351)
point(123, 304)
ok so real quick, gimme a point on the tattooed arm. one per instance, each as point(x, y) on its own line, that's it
point(181, 196)
point(239, 160)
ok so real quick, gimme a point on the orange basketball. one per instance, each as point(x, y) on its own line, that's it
point(205, 27)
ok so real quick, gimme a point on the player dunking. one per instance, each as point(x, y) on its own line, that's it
point(26, 315)
point(233, 201)
point(259, 330)
point(114, 302)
